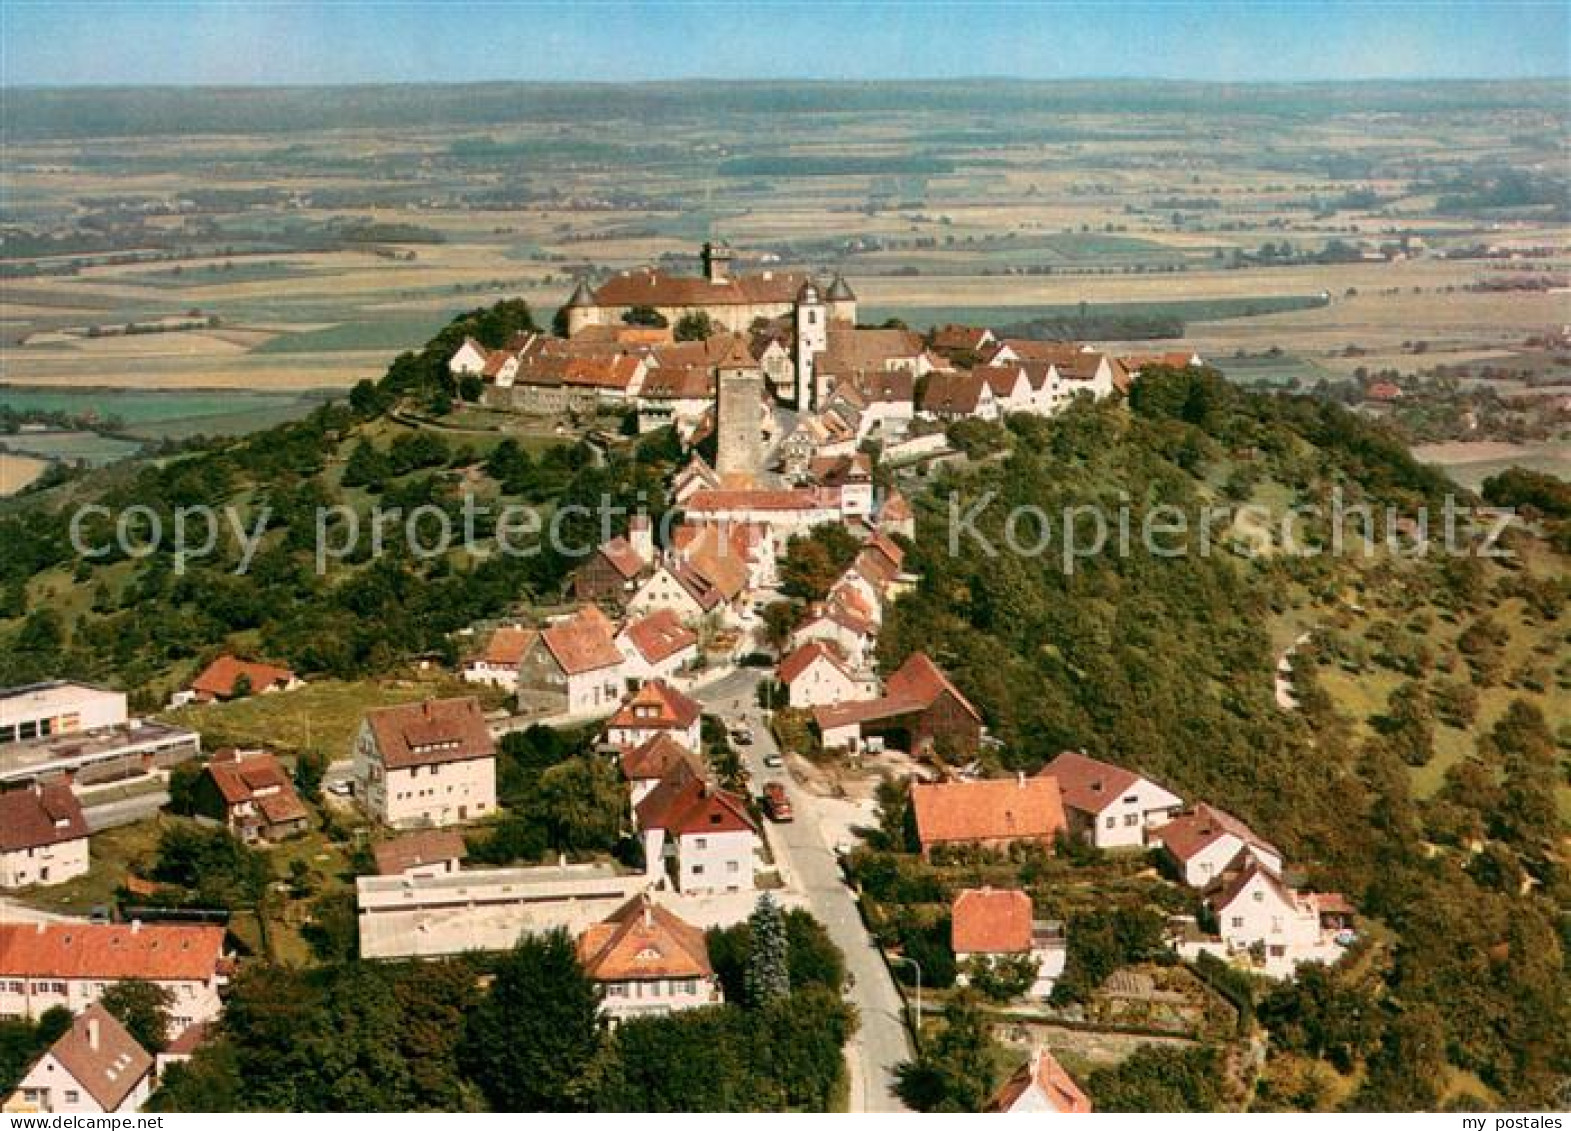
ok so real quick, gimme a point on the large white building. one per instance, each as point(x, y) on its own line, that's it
point(81, 732)
point(426, 764)
point(43, 710)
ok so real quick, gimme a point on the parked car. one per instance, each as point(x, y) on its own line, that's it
point(742, 735)
point(773, 761)
point(776, 804)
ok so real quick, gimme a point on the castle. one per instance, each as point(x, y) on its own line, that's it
point(790, 300)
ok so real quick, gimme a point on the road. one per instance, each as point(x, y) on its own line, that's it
point(809, 866)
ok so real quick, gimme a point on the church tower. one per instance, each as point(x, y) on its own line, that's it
point(717, 261)
point(812, 339)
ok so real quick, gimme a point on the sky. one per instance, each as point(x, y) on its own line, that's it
point(157, 42)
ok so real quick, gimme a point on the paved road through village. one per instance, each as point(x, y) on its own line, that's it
point(812, 869)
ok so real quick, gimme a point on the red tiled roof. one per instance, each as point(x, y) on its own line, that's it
point(582, 642)
point(657, 757)
point(922, 680)
point(1190, 833)
point(108, 952)
point(108, 1067)
point(952, 393)
point(37, 817)
point(394, 857)
point(805, 657)
point(1000, 378)
point(649, 286)
point(656, 704)
point(990, 921)
point(623, 558)
point(240, 779)
point(1087, 784)
point(678, 383)
point(1230, 884)
point(1048, 1077)
point(997, 809)
point(686, 805)
point(760, 499)
point(660, 636)
point(640, 941)
point(508, 645)
point(957, 337)
point(218, 678)
point(431, 733)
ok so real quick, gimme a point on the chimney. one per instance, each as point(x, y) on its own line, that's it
point(641, 537)
point(649, 913)
point(136, 926)
point(92, 1033)
point(1020, 778)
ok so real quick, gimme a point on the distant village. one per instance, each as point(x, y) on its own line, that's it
point(800, 406)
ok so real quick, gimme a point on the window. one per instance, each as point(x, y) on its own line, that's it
point(698, 869)
point(72, 1096)
point(1238, 922)
point(700, 843)
point(732, 866)
point(1260, 897)
point(1112, 822)
point(1131, 819)
point(616, 989)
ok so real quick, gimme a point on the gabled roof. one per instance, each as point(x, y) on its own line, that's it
point(720, 570)
point(678, 383)
point(1053, 1087)
point(1231, 884)
point(1002, 379)
point(923, 681)
point(656, 758)
point(39, 816)
point(656, 705)
point(956, 393)
point(507, 645)
point(218, 678)
point(1191, 833)
point(649, 286)
point(659, 636)
point(623, 558)
point(805, 657)
point(686, 805)
point(583, 642)
point(640, 941)
point(853, 467)
point(108, 952)
point(431, 733)
point(956, 337)
point(102, 1057)
point(996, 809)
point(990, 921)
point(1089, 785)
point(761, 499)
point(856, 348)
point(239, 779)
point(394, 857)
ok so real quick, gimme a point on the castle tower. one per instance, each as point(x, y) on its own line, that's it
point(717, 261)
point(739, 410)
point(580, 309)
point(842, 301)
point(812, 339)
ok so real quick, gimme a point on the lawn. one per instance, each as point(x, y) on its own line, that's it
point(391, 334)
point(323, 715)
point(113, 852)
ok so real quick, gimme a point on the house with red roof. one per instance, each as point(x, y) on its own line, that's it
point(656, 708)
point(1279, 928)
point(1109, 806)
point(95, 1068)
point(990, 924)
point(920, 708)
point(425, 765)
point(850, 631)
point(612, 574)
point(430, 852)
point(573, 667)
point(497, 663)
point(230, 678)
point(249, 792)
point(70, 964)
point(699, 586)
point(650, 762)
point(1205, 842)
point(696, 834)
point(657, 646)
point(1041, 1086)
point(43, 835)
point(647, 961)
point(815, 675)
point(992, 813)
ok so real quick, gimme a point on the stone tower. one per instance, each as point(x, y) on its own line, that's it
point(739, 410)
point(717, 261)
point(580, 309)
point(812, 339)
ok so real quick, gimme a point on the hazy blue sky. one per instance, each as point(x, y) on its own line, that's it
point(139, 41)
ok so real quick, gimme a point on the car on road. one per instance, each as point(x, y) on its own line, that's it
point(773, 761)
point(742, 735)
point(776, 804)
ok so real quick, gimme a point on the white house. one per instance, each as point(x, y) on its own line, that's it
point(497, 663)
point(471, 357)
point(1041, 1087)
point(1108, 805)
point(836, 625)
point(656, 708)
point(648, 764)
point(1256, 910)
point(426, 764)
point(814, 676)
point(1204, 842)
point(72, 963)
point(95, 1068)
point(698, 835)
point(989, 924)
point(648, 961)
point(657, 646)
point(43, 836)
point(573, 667)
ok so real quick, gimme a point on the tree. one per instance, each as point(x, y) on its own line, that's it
point(310, 768)
point(768, 960)
point(1002, 977)
point(529, 1044)
point(645, 316)
point(1161, 1079)
point(954, 1071)
point(694, 326)
point(143, 1008)
point(215, 868)
point(815, 560)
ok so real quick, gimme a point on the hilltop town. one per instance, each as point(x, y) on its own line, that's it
point(717, 767)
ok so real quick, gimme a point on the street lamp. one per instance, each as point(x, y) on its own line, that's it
point(918, 967)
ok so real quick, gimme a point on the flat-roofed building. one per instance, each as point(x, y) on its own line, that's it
point(57, 707)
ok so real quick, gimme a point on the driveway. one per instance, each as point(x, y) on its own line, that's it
point(808, 867)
